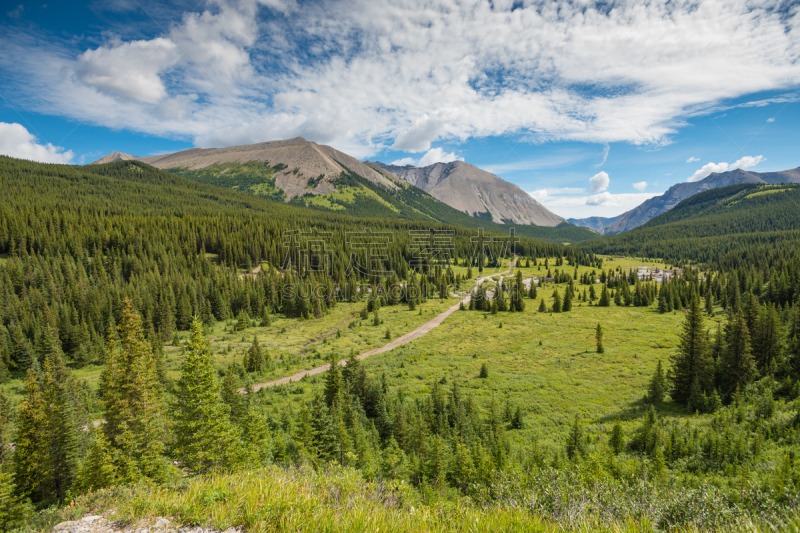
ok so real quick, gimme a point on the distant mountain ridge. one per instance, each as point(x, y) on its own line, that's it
point(597, 224)
point(677, 193)
point(319, 177)
point(307, 166)
point(476, 192)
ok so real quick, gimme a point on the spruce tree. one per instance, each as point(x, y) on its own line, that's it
point(567, 305)
point(576, 444)
point(98, 470)
point(617, 440)
point(767, 340)
point(598, 337)
point(737, 367)
point(205, 439)
point(542, 306)
point(333, 380)
point(233, 398)
point(13, 507)
point(658, 385)
point(254, 358)
point(605, 301)
point(132, 401)
point(31, 462)
point(556, 301)
point(692, 359)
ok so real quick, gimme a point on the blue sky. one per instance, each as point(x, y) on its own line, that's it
point(589, 108)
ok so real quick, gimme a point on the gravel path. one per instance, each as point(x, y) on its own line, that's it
point(399, 341)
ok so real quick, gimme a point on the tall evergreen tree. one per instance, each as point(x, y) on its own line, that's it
point(254, 358)
point(605, 301)
point(737, 367)
point(205, 439)
point(132, 401)
point(658, 385)
point(692, 359)
point(598, 337)
point(333, 380)
point(767, 340)
point(576, 443)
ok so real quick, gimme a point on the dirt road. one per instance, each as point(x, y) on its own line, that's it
point(399, 341)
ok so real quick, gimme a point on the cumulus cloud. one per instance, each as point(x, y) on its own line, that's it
point(359, 74)
point(770, 120)
point(17, 141)
point(403, 162)
point(599, 182)
point(132, 70)
point(710, 168)
point(692, 159)
point(604, 198)
point(437, 155)
point(640, 185)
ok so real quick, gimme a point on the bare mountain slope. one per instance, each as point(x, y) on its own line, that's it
point(304, 161)
point(115, 156)
point(677, 193)
point(476, 192)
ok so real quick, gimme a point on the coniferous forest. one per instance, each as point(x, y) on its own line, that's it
point(113, 267)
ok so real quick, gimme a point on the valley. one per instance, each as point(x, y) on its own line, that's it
point(477, 368)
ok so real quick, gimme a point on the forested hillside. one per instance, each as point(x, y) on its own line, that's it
point(722, 227)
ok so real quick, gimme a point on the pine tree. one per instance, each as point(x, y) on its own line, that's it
point(605, 301)
point(692, 360)
point(46, 452)
point(234, 399)
point(242, 321)
point(31, 462)
point(658, 385)
point(463, 468)
point(133, 407)
point(737, 367)
point(333, 380)
point(60, 394)
point(598, 337)
point(542, 306)
point(567, 306)
point(98, 470)
point(205, 440)
point(767, 340)
point(576, 444)
point(617, 440)
point(254, 358)
point(556, 301)
point(13, 507)
point(484, 373)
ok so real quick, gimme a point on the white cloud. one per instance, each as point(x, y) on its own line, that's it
point(574, 202)
point(360, 75)
point(770, 120)
point(604, 198)
point(606, 151)
point(17, 141)
point(132, 70)
point(437, 155)
point(710, 168)
point(640, 185)
point(599, 182)
point(692, 159)
point(403, 162)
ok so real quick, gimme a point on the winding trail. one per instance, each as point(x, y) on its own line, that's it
point(399, 341)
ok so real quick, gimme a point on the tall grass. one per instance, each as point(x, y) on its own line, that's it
point(274, 499)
